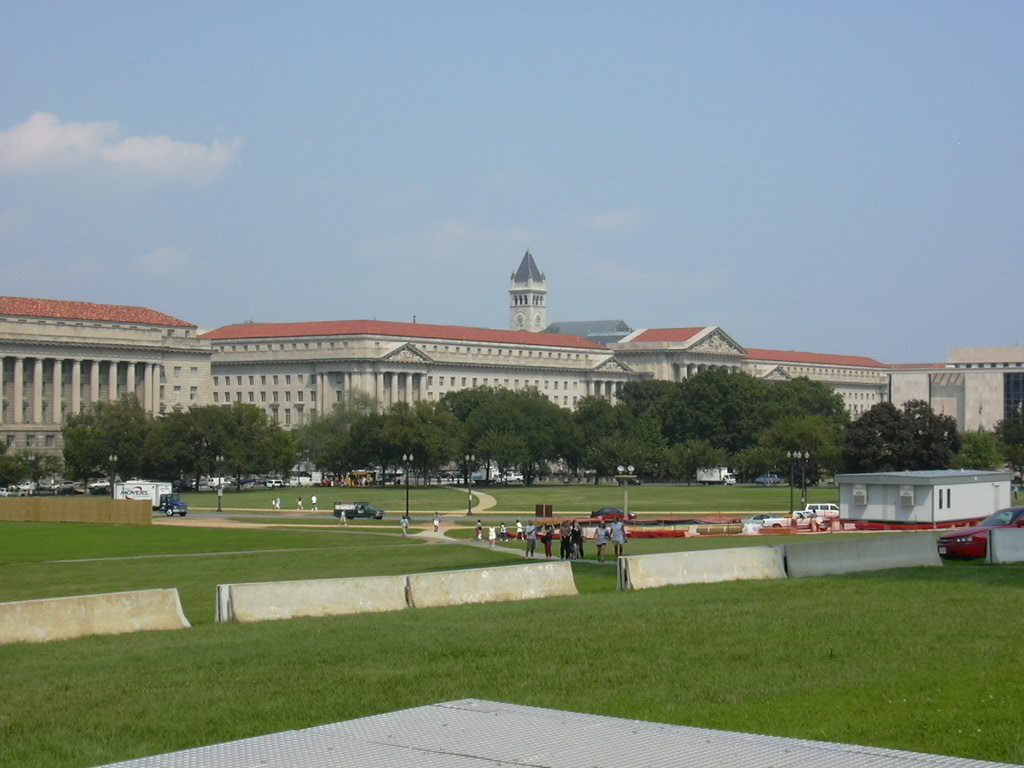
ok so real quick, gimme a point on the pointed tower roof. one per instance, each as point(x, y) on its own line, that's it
point(528, 271)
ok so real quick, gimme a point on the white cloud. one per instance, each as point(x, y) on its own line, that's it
point(45, 142)
point(452, 230)
point(163, 261)
point(614, 221)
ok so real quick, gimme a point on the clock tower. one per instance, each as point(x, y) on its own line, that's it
point(528, 302)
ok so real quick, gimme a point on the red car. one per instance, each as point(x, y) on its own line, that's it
point(973, 542)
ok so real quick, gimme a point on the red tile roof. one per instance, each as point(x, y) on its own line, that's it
point(667, 334)
point(404, 330)
point(812, 358)
point(81, 310)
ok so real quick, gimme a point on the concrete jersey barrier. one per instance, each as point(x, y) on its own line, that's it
point(867, 553)
point(113, 613)
point(266, 601)
point(487, 585)
point(701, 567)
point(1005, 545)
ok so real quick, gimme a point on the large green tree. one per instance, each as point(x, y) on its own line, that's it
point(105, 429)
point(887, 439)
point(979, 450)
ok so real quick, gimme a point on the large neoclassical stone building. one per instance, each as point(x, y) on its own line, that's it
point(58, 356)
point(294, 370)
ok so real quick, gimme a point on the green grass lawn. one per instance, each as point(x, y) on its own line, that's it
point(565, 499)
point(923, 659)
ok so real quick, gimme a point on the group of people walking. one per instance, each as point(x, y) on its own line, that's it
point(571, 536)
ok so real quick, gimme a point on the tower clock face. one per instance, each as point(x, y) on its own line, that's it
point(536, 321)
point(520, 320)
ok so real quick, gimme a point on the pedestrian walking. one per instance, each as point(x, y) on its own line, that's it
point(547, 534)
point(479, 531)
point(299, 505)
point(437, 522)
point(531, 540)
point(405, 524)
point(492, 535)
point(619, 536)
point(576, 538)
point(519, 530)
point(312, 503)
point(503, 532)
point(601, 537)
point(563, 540)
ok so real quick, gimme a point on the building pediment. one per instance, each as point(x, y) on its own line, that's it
point(407, 353)
point(613, 365)
point(778, 373)
point(717, 342)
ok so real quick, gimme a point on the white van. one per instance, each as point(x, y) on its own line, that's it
point(827, 511)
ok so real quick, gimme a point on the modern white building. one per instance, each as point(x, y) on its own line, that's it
point(58, 356)
point(978, 386)
point(934, 497)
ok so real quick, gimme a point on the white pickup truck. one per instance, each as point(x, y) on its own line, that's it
point(770, 520)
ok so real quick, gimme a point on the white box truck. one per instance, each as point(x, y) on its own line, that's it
point(160, 495)
point(715, 476)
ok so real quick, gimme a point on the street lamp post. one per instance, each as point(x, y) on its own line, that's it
point(792, 458)
point(625, 475)
point(803, 477)
point(407, 460)
point(33, 470)
point(802, 457)
point(220, 484)
point(112, 458)
point(470, 458)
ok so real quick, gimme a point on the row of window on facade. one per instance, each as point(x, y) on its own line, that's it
point(300, 395)
point(32, 441)
point(275, 397)
point(434, 348)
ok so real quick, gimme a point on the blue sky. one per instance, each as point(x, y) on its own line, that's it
point(840, 177)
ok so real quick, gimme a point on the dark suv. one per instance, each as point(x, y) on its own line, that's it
point(353, 509)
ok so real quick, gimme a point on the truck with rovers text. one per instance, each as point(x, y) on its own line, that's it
point(160, 495)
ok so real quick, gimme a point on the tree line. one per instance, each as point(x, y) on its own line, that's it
point(666, 430)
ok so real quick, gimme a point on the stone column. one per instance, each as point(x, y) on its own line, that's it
point(112, 382)
point(158, 369)
point(76, 386)
point(147, 388)
point(37, 392)
point(129, 379)
point(407, 388)
point(17, 404)
point(94, 381)
point(58, 393)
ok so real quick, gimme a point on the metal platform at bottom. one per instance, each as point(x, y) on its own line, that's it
point(472, 733)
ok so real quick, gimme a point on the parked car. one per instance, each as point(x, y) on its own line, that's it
point(973, 542)
point(68, 488)
point(767, 480)
point(273, 482)
point(611, 513)
point(353, 509)
point(769, 520)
